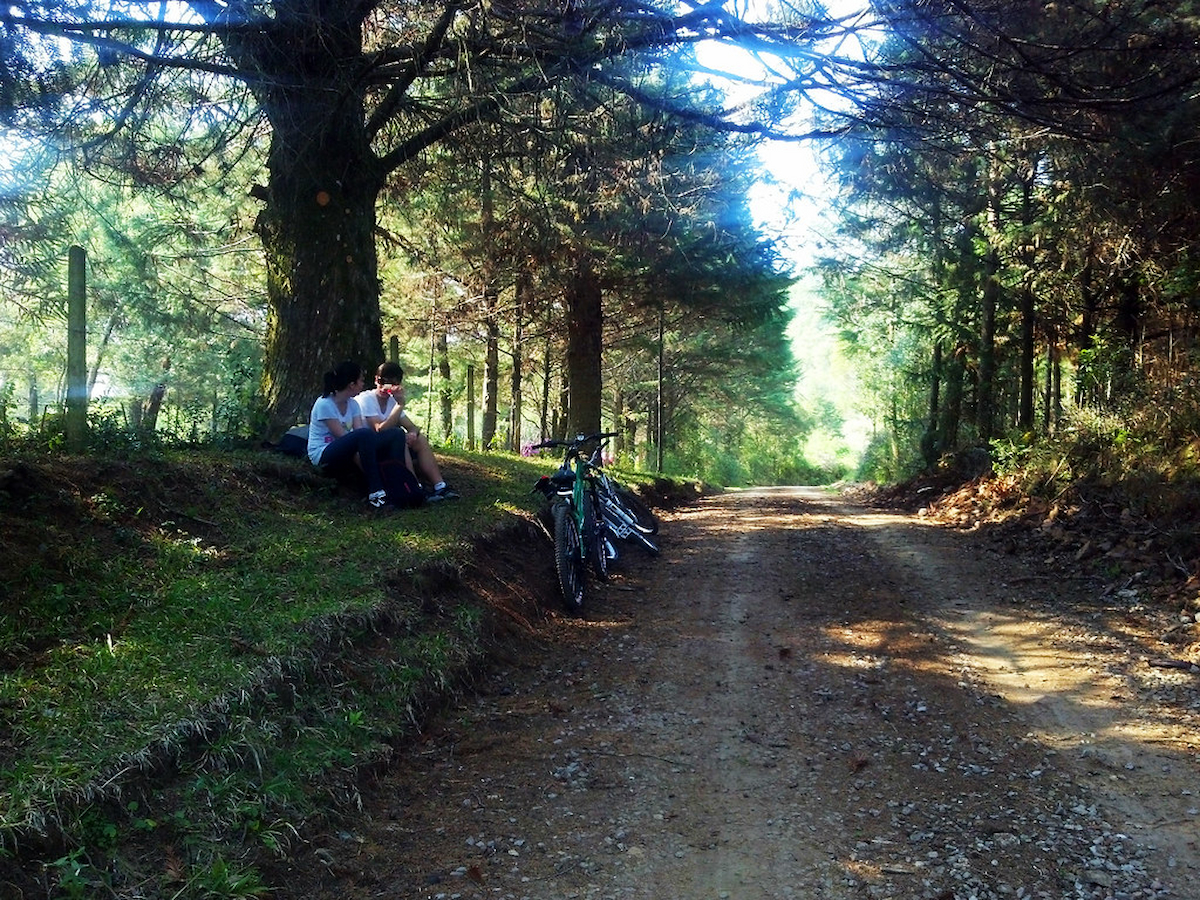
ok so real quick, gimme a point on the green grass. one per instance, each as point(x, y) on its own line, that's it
point(228, 645)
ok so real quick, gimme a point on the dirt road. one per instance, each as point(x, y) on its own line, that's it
point(802, 699)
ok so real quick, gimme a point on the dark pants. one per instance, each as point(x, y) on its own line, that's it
point(339, 455)
point(393, 444)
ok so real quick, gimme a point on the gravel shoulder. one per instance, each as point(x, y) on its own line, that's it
point(801, 698)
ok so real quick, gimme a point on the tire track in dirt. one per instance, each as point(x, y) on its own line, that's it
point(1043, 642)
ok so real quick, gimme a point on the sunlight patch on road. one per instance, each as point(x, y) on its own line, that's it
point(1023, 659)
point(1068, 700)
point(866, 635)
point(887, 520)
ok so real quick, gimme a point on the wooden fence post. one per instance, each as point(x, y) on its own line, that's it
point(471, 406)
point(77, 399)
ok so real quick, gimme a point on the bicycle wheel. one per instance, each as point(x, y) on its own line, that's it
point(567, 558)
point(620, 524)
point(645, 520)
point(595, 533)
point(644, 541)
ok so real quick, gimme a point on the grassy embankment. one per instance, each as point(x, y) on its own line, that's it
point(208, 648)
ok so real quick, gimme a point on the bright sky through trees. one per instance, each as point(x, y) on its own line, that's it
point(790, 205)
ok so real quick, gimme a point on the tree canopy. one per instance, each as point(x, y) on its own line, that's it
point(330, 115)
point(1020, 182)
point(349, 95)
point(557, 185)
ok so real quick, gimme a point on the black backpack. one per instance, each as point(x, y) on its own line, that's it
point(403, 488)
point(293, 443)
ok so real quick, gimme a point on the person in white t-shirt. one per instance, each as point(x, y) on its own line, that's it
point(337, 435)
point(383, 409)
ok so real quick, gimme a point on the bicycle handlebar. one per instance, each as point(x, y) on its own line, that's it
point(579, 440)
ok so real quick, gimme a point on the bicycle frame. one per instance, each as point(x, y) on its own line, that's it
point(619, 522)
point(587, 512)
point(570, 481)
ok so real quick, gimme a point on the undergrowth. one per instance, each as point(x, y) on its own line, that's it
point(1147, 463)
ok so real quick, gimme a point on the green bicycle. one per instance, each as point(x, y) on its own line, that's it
point(581, 537)
point(590, 511)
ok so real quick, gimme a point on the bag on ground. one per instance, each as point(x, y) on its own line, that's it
point(294, 442)
point(403, 488)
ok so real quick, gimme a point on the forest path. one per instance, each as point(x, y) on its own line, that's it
point(801, 698)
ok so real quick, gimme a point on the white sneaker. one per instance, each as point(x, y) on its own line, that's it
point(377, 498)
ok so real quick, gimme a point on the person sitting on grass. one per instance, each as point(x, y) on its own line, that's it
point(338, 438)
point(383, 410)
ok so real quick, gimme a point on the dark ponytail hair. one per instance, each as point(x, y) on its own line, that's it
point(346, 373)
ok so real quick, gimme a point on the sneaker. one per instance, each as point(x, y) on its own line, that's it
point(377, 499)
point(445, 492)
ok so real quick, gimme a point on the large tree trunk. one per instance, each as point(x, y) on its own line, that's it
point(1053, 398)
point(445, 389)
point(318, 222)
point(149, 420)
point(491, 303)
point(520, 301)
point(952, 410)
point(658, 428)
point(584, 345)
point(1088, 323)
point(318, 230)
point(985, 400)
point(619, 423)
point(545, 423)
point(1028, 316)
point(931, 449)
point(1028, 351)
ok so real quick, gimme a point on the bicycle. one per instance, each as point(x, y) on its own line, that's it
point(624, 514)
point(580, 536)
point(589, 509)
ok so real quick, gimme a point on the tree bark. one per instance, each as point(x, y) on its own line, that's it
point(520, 301)
point(1056, 404)
point(318, 231)
point(931, 449)
point(584, 326)
point(1028, 350)
point(445, 393)
point(952, 409)
point(318, 221)
point(547, 370)
point(491, 303)
point(560, 424)
point(1028, 316)
point(990, 297)
point(491, 374)
point(149, 421)
point(659, 411)
point(618, 419)
point(1089, 317)
point(1053, 395)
